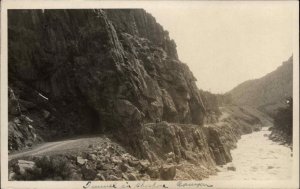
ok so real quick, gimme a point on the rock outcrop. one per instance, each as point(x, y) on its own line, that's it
point(21, 130)
point(282, 131)
point(98, 70)
point(211, 103)
point(173, 152)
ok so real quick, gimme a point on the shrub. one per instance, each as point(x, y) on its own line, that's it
point(48, 168)
point(283, 119)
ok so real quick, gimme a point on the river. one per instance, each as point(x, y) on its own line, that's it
point(257, 158)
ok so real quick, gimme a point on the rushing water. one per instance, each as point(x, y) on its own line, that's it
point(257, 158)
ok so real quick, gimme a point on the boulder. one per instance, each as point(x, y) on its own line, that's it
point(88, 174)
point(219, 157)
point(256, 128)
point(124, 176)
point(26, 118)
point(231, 168)
point(167, 172)
point(117, 171)
point(11, 175)
point(153, 172)
point(100, 176)
point(132, 176)
point(171, 155)
point(144, 177)
point(113, 177)
point(116, 160)
point(17, 121)
point(104, 166)
point(133, 162)
point(92, 157)
point(125, 167)
point(81, 161)
point(24, 165)
point(145, 164)
point(270, 128)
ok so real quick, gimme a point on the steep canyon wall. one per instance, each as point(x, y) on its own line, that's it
point(115, 72)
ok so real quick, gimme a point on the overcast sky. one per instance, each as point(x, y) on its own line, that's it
point(227, 44)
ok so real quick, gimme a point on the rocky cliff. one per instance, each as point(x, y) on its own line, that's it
point(81, 71)
point(115, 73)
point(173, 152)
point(283, 125)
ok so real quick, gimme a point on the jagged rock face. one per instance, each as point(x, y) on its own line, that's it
point(283, 125)
point(106, 70)
point(185, 141)
point(211, 104)
point(170, 151)
point(140, 23)
point(22, 131)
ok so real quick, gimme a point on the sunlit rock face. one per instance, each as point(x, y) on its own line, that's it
point(98, 71)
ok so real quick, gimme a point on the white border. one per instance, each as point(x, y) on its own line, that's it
point(75, 4)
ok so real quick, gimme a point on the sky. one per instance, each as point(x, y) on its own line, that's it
point(227, 44)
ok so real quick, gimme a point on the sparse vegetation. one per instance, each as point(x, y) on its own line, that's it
point(210, 101)
point(46, 168)
point(283, 120)
point(224, 99)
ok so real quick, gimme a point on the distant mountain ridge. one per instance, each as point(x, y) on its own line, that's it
point(269, 92)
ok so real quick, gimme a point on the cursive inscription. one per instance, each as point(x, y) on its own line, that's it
point(182, 184)
point(146, 184)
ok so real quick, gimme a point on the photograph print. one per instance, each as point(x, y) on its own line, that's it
point(149, 94)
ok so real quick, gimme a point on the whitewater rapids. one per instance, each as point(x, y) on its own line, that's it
point(257, 158)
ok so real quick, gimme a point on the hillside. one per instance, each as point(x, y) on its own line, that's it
point(102, 95)
point(269, 92)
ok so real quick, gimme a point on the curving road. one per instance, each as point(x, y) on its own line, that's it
point(41, 149)
point(62, 147)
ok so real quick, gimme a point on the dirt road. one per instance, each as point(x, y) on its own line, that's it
point(62, 147)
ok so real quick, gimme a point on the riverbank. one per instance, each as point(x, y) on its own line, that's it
point(172, 151)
